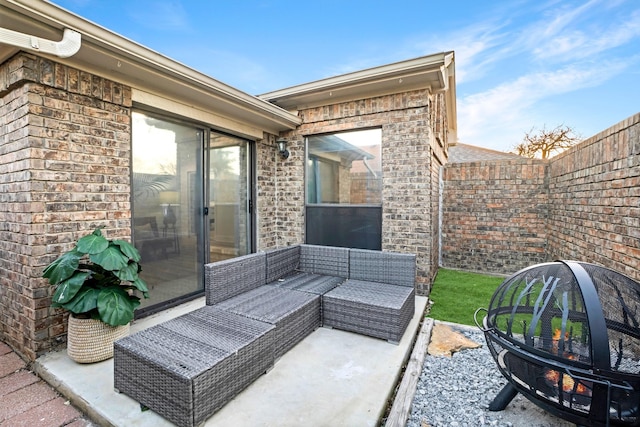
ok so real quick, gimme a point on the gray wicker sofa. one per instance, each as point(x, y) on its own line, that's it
point(259, 306)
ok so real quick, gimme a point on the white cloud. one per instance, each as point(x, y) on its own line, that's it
point(476, 48)
point(578, 43)
point(497, 117)
point(563, 49)
point(563, 16)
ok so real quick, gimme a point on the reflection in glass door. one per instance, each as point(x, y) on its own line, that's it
point(167, 208)
point(228, 190)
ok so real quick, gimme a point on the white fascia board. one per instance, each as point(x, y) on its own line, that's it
point(422, 65)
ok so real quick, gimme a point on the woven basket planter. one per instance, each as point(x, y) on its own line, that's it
point(91, 340)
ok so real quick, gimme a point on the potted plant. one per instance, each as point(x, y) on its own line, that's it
point(98, 283)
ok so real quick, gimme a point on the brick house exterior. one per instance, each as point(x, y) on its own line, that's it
point(66, 152)
point(410, 167)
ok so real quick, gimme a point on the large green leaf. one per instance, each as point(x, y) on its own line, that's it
point(84, 301)
point(129, 273)
point(128, 249)
point(63, 267)
point(110, 258)
point(141, 285)
point(116, 306)
point(67, 289)
point(94, 243)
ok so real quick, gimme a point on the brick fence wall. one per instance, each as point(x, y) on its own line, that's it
point(64, 153)
point(584, 205)
point(594, 200)
point(494, 215)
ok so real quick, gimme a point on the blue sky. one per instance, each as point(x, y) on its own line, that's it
point(520, 64)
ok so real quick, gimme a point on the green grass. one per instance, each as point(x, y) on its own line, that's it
point(456, 295)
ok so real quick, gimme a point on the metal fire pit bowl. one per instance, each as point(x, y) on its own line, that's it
point(566, 335)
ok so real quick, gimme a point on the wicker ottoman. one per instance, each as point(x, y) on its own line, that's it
point(187, 368)
point(370, 308)
point(294, 314)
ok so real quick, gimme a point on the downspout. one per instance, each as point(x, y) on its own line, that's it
point(440, 212)
point(68, 46)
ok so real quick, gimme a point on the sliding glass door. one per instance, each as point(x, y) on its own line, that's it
point(167, 207)
point(229, 197)
point(190, 204)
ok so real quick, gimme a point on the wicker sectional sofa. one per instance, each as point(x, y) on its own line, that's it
point(258, 307)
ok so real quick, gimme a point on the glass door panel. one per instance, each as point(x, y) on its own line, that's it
point(167, 220)
point(229, 217)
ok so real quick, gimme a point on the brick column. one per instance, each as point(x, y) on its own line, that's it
point(64, 156)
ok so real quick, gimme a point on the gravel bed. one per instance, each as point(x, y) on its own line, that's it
point(456, 391)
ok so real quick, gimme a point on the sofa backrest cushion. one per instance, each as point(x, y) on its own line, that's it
point(231, 277)
point(327, 260)
point(282, 261)
point(386, 267)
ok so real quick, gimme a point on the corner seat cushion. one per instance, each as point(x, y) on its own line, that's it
point(376, 309)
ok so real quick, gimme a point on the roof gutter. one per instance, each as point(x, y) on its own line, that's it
point(68, 46)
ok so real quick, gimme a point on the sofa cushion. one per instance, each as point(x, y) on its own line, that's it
point(317, 284)
point(376, 309)
point(294, 314)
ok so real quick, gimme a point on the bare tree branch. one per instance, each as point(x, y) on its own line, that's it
point(545, 143)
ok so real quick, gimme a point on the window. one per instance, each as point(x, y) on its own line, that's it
point(344, 189)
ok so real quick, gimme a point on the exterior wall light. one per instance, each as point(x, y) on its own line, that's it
point(282, 148)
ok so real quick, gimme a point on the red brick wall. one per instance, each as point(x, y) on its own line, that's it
point(583, 205)
point(64, 157)
point(494, 215)
point(594, 200)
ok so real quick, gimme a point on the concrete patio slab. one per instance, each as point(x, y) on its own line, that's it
point(332, 378)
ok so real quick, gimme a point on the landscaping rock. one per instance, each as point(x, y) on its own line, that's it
point(445, 341)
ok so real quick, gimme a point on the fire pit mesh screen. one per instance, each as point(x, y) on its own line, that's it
point(538, 306)
point(620, 300)
point(566, 335)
